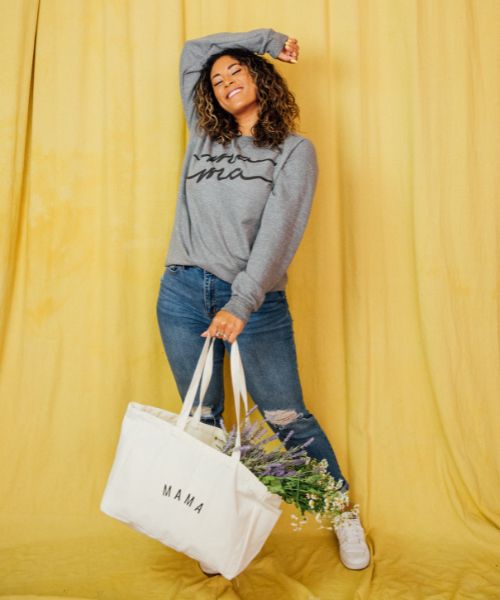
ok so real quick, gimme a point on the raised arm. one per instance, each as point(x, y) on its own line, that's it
point(282, 226)
point(196, 52)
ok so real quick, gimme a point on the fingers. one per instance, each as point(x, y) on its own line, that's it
point(221, 329)
point(292, 49)
point(225, 326)
point(232, 335)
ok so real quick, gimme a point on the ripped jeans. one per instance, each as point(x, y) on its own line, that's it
point(188, 299)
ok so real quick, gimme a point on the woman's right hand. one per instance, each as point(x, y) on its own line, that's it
point(290, 52)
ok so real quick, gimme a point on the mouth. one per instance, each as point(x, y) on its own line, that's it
point(234, 92)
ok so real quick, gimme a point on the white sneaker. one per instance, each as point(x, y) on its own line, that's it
point(354, 551)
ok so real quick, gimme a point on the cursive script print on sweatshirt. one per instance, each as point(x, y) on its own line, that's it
point(230, 167)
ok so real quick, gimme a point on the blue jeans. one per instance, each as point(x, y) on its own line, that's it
point(189, 298)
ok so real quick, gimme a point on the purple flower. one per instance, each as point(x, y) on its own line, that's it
point(296, 461)
point(308, 443)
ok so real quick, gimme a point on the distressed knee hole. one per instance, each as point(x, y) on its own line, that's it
point(206, 412)
point(281, 417)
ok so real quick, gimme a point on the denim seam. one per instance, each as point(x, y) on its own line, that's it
point(209, 293)
point(205, 294)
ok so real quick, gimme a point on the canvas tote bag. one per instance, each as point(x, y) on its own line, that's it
point(182, 490)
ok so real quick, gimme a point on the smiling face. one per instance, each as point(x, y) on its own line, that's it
point(233, 86)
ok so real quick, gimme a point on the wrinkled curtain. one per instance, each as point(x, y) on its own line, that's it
point(394, 289)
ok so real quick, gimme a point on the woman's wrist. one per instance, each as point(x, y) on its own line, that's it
point(237, 308)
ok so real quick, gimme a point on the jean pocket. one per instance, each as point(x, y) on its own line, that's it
point(174, 268)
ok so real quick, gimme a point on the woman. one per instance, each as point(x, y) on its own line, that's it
point(244, 199)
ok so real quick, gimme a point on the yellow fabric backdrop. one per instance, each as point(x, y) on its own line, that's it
point(394, 290)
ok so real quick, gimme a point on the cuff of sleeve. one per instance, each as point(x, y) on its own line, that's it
point(277, 43)
point(237, 308)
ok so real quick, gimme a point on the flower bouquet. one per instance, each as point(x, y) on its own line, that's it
point(291, 473)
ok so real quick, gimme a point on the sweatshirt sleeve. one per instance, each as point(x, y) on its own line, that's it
point(196, 52)
point(282, 226)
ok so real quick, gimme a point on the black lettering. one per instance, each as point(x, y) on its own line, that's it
point(167, 490)
point(223, 173)
point(205, 174)
point(198, 508)
point(178, 495)
point(189, 500)
point(234, 174)
point(232, 158)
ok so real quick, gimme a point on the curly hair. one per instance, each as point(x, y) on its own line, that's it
point(278, 110)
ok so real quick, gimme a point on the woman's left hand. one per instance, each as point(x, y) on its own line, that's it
point(226, 326)
point(290, 51)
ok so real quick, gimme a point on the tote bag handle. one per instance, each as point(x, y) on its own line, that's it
point(203, 371)
point(239, 393)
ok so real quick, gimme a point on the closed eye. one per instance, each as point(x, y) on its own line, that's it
point(232, 74)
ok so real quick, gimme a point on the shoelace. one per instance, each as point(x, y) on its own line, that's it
point(351, 532)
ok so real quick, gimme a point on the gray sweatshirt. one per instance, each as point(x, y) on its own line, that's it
point(241, 210)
